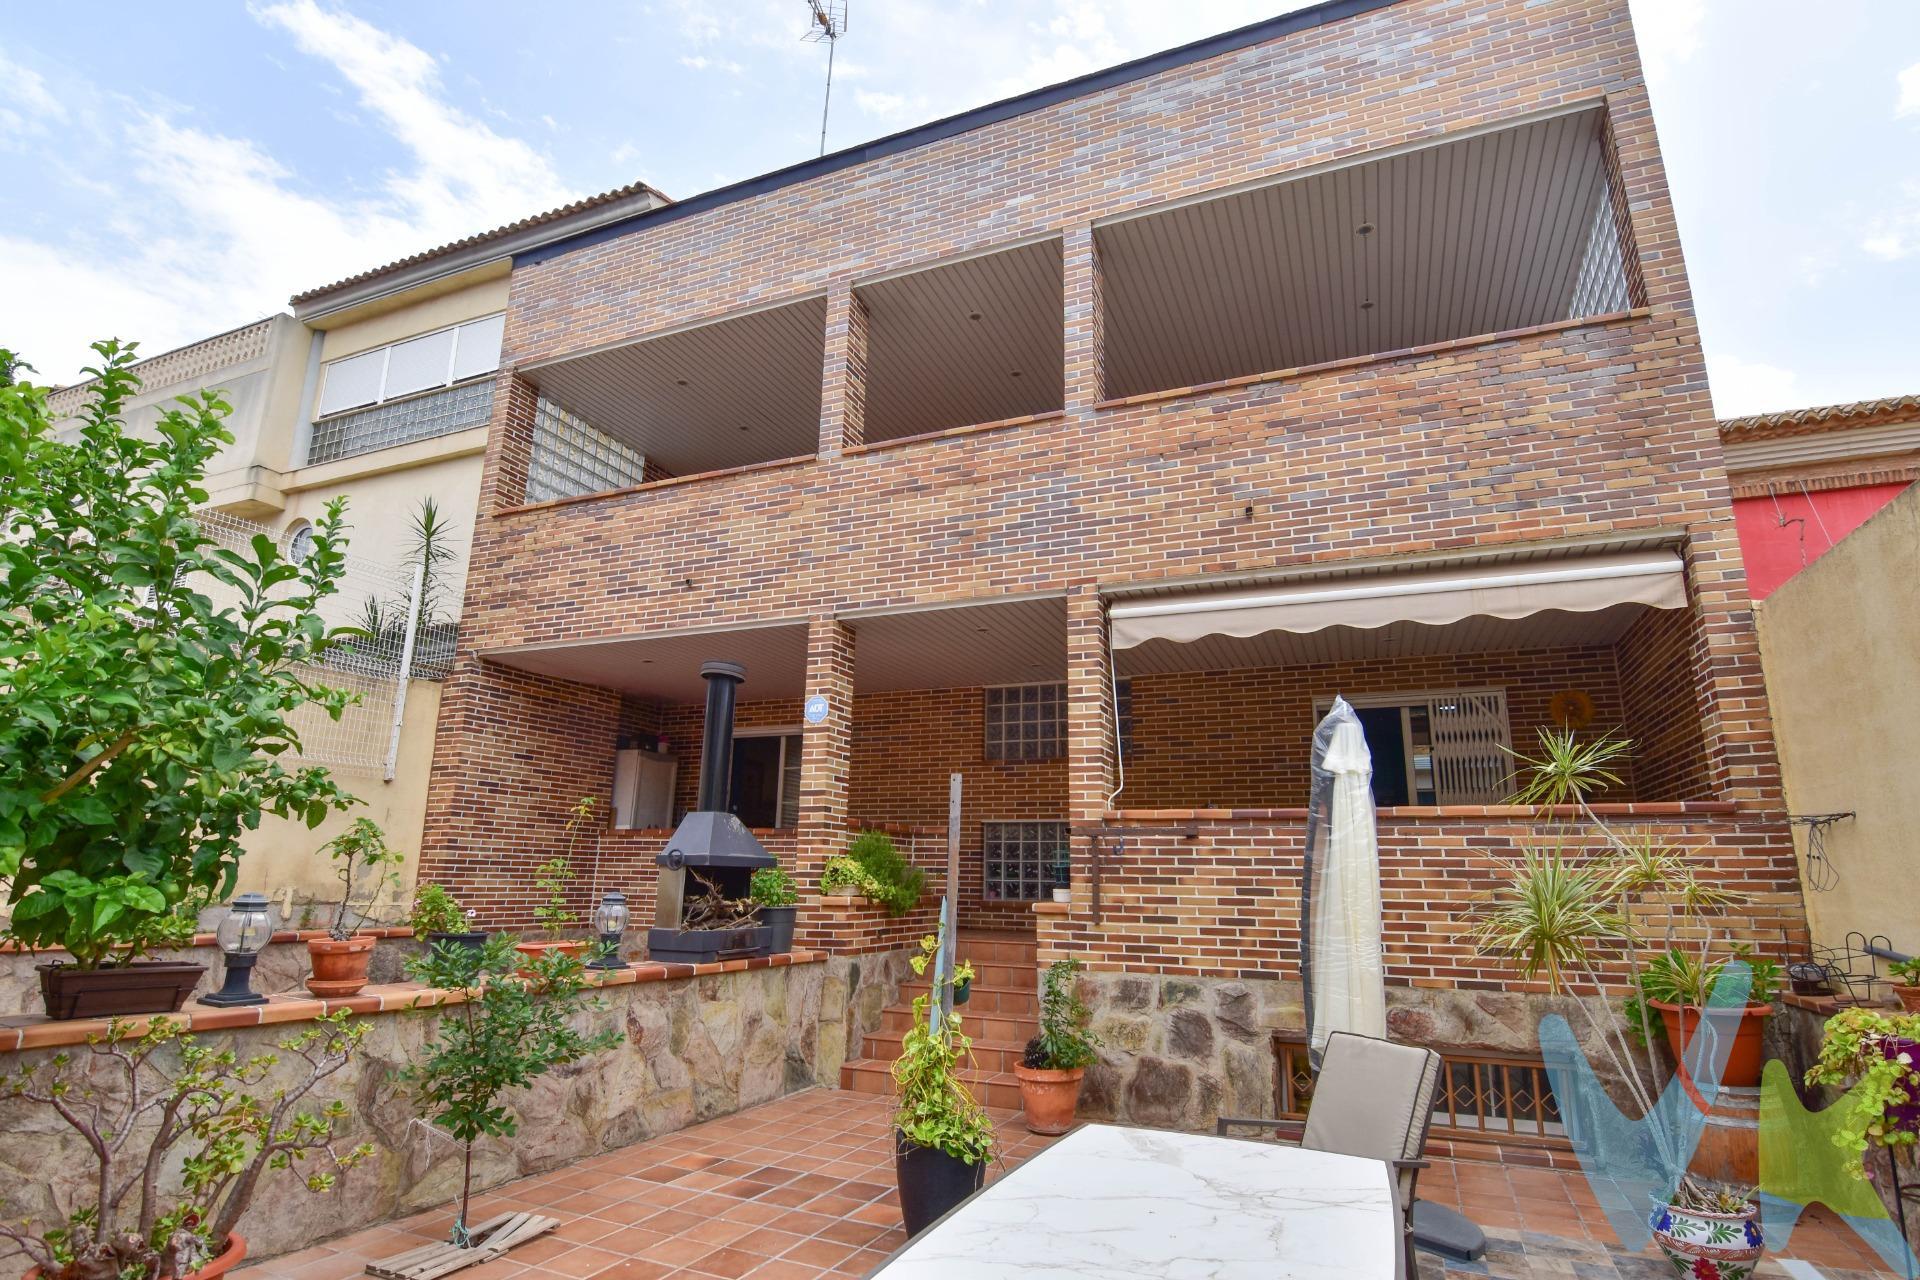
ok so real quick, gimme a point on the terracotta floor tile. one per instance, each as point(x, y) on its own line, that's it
point(678, 1251)
point(728, 1264)
point(754, 1211)
point(820, 1253)
point(637, 1269)
point(782, 1269)
point(718, 1231)
point(768, 1242)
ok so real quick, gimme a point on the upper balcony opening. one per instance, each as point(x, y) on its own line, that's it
point(1498, 231)
point(715, 396)
point(970, 342)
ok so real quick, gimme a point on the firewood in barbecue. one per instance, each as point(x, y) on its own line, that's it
point(712, 910)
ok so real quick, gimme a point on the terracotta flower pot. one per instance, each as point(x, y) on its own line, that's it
point(232, 1256)
point(1746, 1056)
point(1909, 994)
point(1049, 1097)
point(572, 947)
point(339, 965)
point(1709, 1246)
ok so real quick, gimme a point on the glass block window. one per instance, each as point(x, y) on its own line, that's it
point(571, 457)
point(1024, 861)
point(1123, 715)
point(1027, 722)
point(440, 413)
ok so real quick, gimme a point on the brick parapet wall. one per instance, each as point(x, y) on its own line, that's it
point(1227, 902)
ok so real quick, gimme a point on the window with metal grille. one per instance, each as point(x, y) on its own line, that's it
point(1026, 722)
point(440, 413)
point(570, 457)
point(1024, 861)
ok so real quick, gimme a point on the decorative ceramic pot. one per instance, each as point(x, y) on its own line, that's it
point(931, 1182)
point(1708, 1246)
point(339, 965)
point(1049, 1097)
point(1745, 1057)
point(145, 986)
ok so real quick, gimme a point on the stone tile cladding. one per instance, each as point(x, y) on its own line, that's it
point(1591, 430)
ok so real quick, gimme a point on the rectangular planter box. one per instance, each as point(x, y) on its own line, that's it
point(146, 986)
point(704, 946)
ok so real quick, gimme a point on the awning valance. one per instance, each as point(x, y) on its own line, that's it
point(1435, 597)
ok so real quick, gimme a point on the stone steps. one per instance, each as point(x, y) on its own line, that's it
point(998, 1057)
point(992, 1089)
point(997, 1027)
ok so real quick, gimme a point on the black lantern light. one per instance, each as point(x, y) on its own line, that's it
point(247, 927)
point(610, 922)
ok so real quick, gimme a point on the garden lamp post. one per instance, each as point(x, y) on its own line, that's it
point(247, 927)
point(610, 922)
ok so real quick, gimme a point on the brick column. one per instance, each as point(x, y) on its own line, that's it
point(1090, 728)
point(843, 391)
point(503, 482)
point(1085, 332)
point(826, 750)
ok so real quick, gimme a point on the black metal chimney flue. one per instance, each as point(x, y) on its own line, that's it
point(716, 747)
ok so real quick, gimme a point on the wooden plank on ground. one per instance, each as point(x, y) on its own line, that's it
point(490, 1240)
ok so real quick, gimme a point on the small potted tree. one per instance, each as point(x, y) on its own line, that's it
point(340, 959)
point(554, 879)
point(144, 1106)
point(437, 919)
point(943, 1137)
point(774, 892)
point(1906, 982)
point(1057, 1059)
point(516, 1025)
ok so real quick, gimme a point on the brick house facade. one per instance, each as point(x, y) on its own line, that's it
point(896, 562)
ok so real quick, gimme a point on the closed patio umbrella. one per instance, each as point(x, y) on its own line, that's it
point(1340, 897)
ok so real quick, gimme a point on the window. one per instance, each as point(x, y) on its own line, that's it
point(384, 426)
point(300, 542)
point(1123, 715)
point(570, 456)
point(1026, 722)
point(1444, 747)
point(1024, 861)
point(431, 360)
point(765, 791)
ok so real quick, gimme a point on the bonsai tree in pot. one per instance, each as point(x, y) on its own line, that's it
point(180, 1137)
point(943, 1137)
point(142, 726)
point(516, 1025)
point(778, 898)
point(1057, 1059)
point(1581, 901)
point(437, 919)
point(1906, 982)
point(341, 958)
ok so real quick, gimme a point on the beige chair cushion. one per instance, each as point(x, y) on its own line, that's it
point(1372, 1098)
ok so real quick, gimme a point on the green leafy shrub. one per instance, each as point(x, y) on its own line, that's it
point(1064, 1043)
point(1680, 977)
point(1854, 1049)
point(142, 727)
point(876, 869)
point(437, 911)
point(361, 847)
point(773, 887)
point(164, 1100)
point(933, 1106)
point(1906, 972)
point(520, 1023)
point(553, 878)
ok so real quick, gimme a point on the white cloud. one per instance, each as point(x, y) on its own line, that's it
point(1909, 101)
point(206, 231)
point(700, 62)
point(885, 105)
point(1668, 32)
point(26, 104)
point(1741, 387)
point(1894, 233)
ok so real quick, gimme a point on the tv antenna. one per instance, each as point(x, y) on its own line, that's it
point(829, 24)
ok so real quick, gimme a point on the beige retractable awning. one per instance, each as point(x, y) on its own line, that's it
point(1435, 597)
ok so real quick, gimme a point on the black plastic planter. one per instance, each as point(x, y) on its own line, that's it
point(779, 922)
point(931, 1182)
point(472, 940)
point(962, 990)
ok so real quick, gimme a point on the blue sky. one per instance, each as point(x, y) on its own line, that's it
point(175, 170)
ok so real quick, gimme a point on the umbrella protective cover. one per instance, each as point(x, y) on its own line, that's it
point(1340, 905)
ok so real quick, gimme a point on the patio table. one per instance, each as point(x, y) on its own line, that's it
point(1109, 1201)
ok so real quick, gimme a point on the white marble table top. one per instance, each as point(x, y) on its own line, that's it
point(1112, 1202)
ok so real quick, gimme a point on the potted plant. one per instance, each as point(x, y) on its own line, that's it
point(873, 867)
point(1906, 982)
point(553, 878)
point(778, 898)
point(942, 1136)
point(1678, 986)
point(340, 959)
point(1878, 1056)
point(1063, 874)
point(1581, 901)
point(132, 764)
point(437, 919)
point(178, 1137)
point(519, 1022)
point(1056, 1060)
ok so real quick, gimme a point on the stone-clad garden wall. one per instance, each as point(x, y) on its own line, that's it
point(695, 1047)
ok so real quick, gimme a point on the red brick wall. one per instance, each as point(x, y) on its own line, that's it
point(1243, 739)
point(1661, 691)
point(1227, 904)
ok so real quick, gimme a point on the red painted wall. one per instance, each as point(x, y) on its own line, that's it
point(1814, 521)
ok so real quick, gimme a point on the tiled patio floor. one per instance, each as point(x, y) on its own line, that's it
point(802, 1189)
